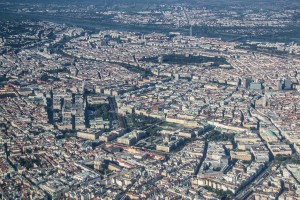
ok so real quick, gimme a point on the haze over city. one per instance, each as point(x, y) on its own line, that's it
point(160, 99)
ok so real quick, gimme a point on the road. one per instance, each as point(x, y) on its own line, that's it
point(202, 159)
point(245, 192)
point(114, 111)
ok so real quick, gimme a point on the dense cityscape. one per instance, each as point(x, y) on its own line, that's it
point(167, 100)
